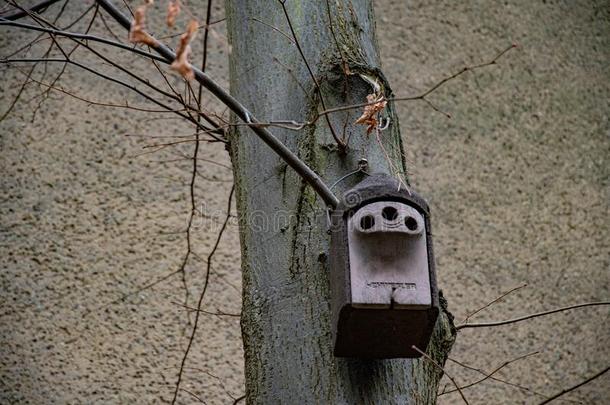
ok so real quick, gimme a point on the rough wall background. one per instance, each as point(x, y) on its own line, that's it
point(517, 180)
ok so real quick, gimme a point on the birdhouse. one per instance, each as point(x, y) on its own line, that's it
point(383, 283)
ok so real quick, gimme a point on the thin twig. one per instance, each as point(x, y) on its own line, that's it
point(194, 171)
point(28, 46)
point(395, 171)
point(217, 313)
point(470, 315)
point(340, 142)
point(464, 70)
point(45, 94)
point(202, 159)
point(74, 22)
point(426, 93)
point(202, 295)
point(193, 395)
point(201, 27)
point(216, 127)
point(291, 73)
point(52, 31)
point(92, 102)
point(442, 370)
point(220, 381)
point(494, 371)
point(421, 97)
point(110, 31)
point(530, 316)
point(345, 69)
point(131, 294)
point(38, 39)
point(500, 380)
point(312, 178)
point(114, 80)
point(34, 9)
point(572, 388)
point(332, 31)
point(76, 35)
point(19, 92)
point(279, 31)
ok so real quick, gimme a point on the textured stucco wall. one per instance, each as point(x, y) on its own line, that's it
point(517, 181)
point(517, 178)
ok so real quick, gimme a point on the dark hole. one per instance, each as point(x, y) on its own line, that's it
point(367, 222)
point(411, 223)
point(389, 213)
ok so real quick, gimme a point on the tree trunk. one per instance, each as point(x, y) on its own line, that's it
point(283, 225)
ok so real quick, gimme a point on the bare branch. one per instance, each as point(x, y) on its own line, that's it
point(214, 376)
point(76, 35)
point(111, 79)
point(168, 56)
point(340, 142)
point(45, 94)
point(194, 171)
point(500, 380)
point(312, 178)
point(332, 31)
point(131, 294)
point(204, 58)
point(110, 31)
point(19, 93)
point(461, 72)
point(193, 395)
point(75, 21)
point(217, 129)
point(126, 106)
point(34, 9)
point(423, 95)
point(45, 54)
point(279, 31)
point(580, 384)
point(431, 360)
point(202, 295)
point(494, 371)
point(52, 31)
point(493, 302)
point(36, 40)
point(217, 313)
point(530, 316)
point(204, 27)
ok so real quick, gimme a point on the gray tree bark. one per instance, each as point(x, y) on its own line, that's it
point(283, 228)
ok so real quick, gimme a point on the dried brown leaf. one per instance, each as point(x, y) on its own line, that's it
point(137, 33)
point(181, 63)
point(368, 117)
point(173, 9)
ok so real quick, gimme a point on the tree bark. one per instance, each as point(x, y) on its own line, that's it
point(283, 225)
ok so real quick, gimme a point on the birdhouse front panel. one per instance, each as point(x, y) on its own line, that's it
point(388, 257)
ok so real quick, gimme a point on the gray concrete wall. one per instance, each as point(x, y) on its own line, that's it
point(517, 181)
